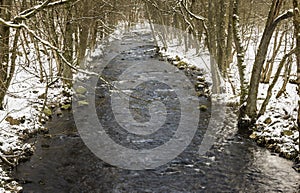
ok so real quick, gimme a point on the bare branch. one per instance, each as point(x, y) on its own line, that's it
point(285, 15)
point(198, 17)
point(30, 12)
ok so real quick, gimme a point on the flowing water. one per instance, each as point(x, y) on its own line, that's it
point(63, 163)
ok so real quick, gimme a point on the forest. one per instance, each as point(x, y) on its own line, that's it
point(253, 51)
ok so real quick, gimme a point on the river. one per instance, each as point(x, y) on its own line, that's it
point(63, 163)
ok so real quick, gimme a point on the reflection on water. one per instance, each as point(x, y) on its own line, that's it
point(276, 171)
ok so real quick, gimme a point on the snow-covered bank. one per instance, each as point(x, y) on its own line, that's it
point(277, 128)
point(23, 118)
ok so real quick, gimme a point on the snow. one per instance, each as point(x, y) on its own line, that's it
point(22, 102)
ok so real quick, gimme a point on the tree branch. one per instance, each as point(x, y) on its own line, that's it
point(198, 17)
point(285, 15)
point(30, 12)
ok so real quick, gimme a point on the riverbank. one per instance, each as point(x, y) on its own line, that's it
point(28, 106)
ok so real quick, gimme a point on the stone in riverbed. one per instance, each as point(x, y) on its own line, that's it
point(66, 107)
point(81, 90)
point(203, 108)
point(83, 103)
point(47, 112)
point(201, 78)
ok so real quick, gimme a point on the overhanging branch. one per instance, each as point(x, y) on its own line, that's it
point(198, 17)
point(285, 15)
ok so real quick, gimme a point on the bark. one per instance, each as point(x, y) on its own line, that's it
point(229, 55)
point(67, 75)
point(4, 48)
point(221, 36)
point(287, 72)
point(211, 29)
point(273, 20)
point(297, 35)
point(240, 51)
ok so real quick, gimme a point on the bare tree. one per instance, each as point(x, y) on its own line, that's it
point(240, 50)
point(273, 20)
point(4, 49)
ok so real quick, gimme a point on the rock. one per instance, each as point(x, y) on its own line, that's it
point(81, 97)
point(268, 121)
point(192, 67)
point(200, 85)
point(13, 121)
point(66, 107)
point(49, 136)
point(81, 90)
point(253, 136)
point(43, 130)
point(181, 65)
point(177, 58)
point(200, 94)
point(203, 108)
point(201, 78)
point(83, 103)
point(47, 112)
point(287, 132)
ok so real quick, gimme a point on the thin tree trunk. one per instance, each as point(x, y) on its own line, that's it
point(269, 92)
point(221, 30)
point(267, 71)
point(4, 48)
point(297, 35)
point(67, 75)
point(287, 72)
point(240, 51)
point(229, 42)
point(272, 22)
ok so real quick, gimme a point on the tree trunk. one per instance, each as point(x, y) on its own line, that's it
point(4, 48)
point(297, 35)
point(221, 36)
point(229, 55)
point(240, 51)
point(272, 22)
point(67, 75)
point(211, 29)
